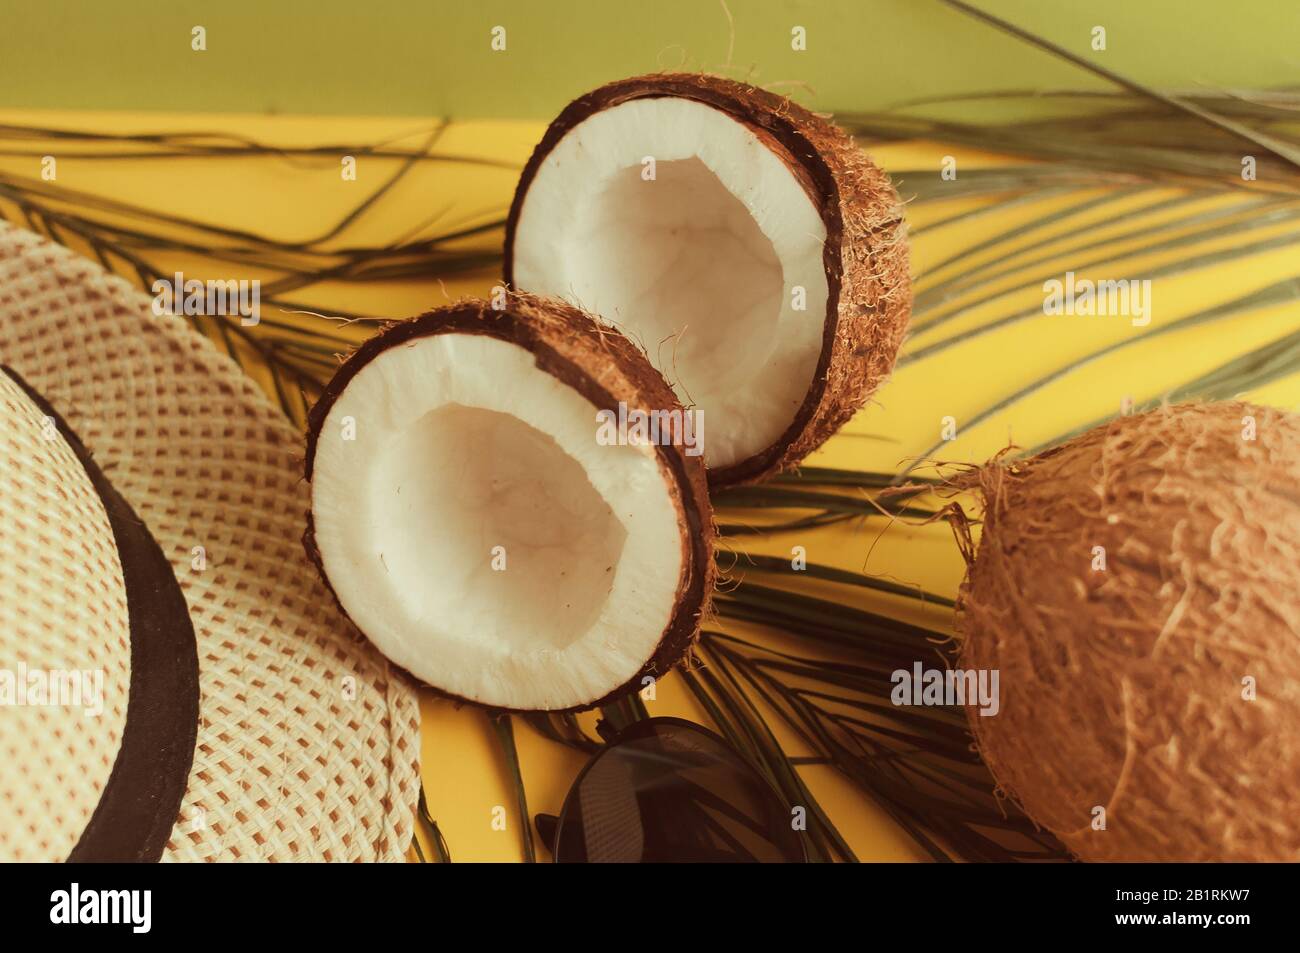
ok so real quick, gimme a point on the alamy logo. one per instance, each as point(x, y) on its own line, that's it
point(53, 688)
point(1129, 298)
point(193, 297)
point(679, 428)
point(953, 686)
point(133, 907)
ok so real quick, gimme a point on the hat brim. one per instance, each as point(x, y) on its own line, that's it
point(141, 798)
point(307, 739)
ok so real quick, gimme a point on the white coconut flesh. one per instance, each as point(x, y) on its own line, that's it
point(476, 531)
point(700, 265)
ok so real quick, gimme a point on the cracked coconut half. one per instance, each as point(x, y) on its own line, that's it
point(748, 245)
point(474, 525)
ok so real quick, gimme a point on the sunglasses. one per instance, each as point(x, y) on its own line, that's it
point(665, 790)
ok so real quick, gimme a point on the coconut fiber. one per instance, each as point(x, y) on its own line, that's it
point(1139, 590)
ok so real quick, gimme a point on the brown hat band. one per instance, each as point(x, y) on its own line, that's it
point(141, 799)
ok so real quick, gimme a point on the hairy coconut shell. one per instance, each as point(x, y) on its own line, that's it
point(603, 366)
point(1122, 688)
point(865, 256)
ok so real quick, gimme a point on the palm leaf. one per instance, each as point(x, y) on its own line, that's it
point(812, 661)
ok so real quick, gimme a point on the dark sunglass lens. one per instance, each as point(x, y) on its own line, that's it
point(670, 793)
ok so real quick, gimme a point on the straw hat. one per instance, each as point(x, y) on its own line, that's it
point(240, 717)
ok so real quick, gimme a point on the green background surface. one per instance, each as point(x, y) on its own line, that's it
point(384, 57)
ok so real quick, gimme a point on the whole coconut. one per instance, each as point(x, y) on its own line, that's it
point(1138, 589)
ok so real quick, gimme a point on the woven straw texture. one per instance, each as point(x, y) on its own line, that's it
point(63, 610)
point(308, 740)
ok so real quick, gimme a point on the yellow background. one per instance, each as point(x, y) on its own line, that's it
point(434, 58)
point(464, 774)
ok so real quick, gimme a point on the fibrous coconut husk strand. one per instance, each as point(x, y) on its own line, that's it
point(1126, 685)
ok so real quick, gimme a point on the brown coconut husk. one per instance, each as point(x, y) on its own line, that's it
point(603, 366)
point(1123, 689)
point(865, 257)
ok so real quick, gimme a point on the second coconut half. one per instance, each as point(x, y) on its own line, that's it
point(747, 244)
point(477, 522)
